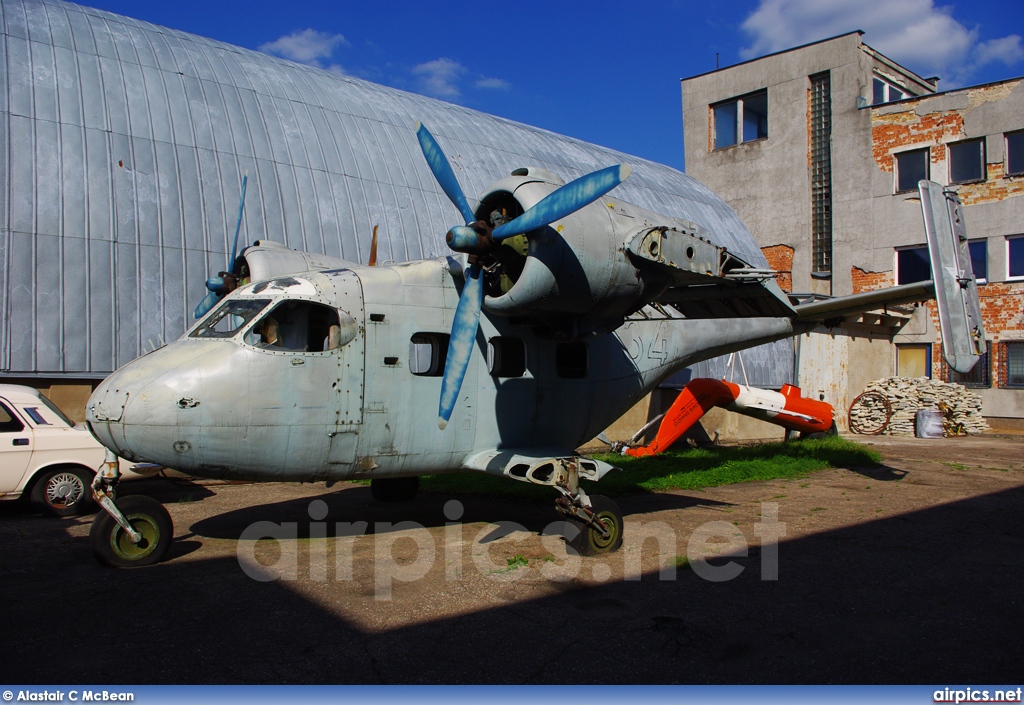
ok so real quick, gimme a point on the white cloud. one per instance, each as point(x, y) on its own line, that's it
point(306, 47)
point(439, 77)
point(925, 38)
point(498, 84)
point(1007, 50)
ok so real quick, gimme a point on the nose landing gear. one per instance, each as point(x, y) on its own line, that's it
point(137, 533)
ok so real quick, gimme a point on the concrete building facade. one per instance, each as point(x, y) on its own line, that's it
point(819, 150)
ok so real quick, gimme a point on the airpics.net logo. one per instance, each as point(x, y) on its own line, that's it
point(977, 695)
point(269, 551)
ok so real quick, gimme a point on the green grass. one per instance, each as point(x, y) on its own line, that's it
point(691, 469)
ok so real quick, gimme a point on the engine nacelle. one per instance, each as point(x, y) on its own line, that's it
point(572, 279)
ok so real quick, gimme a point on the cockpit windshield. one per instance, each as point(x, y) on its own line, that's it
point(228, 318)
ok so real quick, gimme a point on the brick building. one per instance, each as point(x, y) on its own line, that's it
point(820, 148)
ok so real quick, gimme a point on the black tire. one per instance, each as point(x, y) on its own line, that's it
point(832, 431)
point(63, 492)
point(111, 544)
point(395, 489)
point(588, 541)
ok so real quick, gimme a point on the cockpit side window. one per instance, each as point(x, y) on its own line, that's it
point(230, 317)
point(302, 326)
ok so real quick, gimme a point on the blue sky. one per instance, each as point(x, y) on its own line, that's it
point(605, 72)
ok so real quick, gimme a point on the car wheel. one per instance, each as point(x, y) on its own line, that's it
point(63, 492)
point(111, 544)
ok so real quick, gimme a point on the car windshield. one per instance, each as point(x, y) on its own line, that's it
point(230, 317)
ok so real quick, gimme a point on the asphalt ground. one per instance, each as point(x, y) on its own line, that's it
point(911, 572)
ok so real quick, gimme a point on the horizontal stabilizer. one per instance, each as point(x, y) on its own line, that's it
point(833, 308)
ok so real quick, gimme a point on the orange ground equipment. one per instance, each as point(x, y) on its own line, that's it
point(787, 408)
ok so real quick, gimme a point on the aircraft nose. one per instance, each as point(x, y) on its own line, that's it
point(128, 410)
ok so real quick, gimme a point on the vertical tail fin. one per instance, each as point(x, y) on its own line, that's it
point(956, 290)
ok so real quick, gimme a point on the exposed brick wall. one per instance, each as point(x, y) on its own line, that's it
point(1002, 310)
point(896, 132)
point(780, 258)
point(996, 188)
point(905, 129)
point(868, 281)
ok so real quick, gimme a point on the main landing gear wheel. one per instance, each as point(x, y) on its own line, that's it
point(112, 545)
point(395, 489)
point(589, 541)
point(63, 492)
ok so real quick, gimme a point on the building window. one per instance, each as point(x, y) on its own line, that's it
point(911, 167)
point(885, 92)
point(967, 161)
point(1015, 257)
point(821, 171)
point(979, 259)
point(1013, 365)
point(1015, 153)
point(913, 265)
point(743, 119)
point(914, 360)
point(506, 356)
point(427, 354)
point(980, 376)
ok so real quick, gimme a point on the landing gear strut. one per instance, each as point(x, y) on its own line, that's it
point(597, 519)
point(138, 533)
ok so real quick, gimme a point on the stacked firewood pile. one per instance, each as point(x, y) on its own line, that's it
point(888, 406)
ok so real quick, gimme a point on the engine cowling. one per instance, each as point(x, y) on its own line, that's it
point(572, 279)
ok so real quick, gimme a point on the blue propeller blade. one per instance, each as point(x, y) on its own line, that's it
point(460, 345)
point(208, 302)
point(238, 225)
point(442, 170)
point(566, 200)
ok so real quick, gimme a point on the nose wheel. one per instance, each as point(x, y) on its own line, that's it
point(114, 546)
point(133, 532)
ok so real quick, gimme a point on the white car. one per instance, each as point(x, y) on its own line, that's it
point(45, 456)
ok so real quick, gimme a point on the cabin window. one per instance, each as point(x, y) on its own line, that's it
point(911, 167)
point(228, 318)
point(967, 161)
point(506, 356)
point(9, 423)
point(302, 326)
point(743, 119)
point(427, 354)
point(571, 360)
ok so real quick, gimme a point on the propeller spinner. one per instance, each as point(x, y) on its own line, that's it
point(476, 237)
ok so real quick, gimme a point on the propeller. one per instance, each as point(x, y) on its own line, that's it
point(215, 285)
point(476, 238)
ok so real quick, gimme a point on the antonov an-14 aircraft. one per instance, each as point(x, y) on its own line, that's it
point(559, 308)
